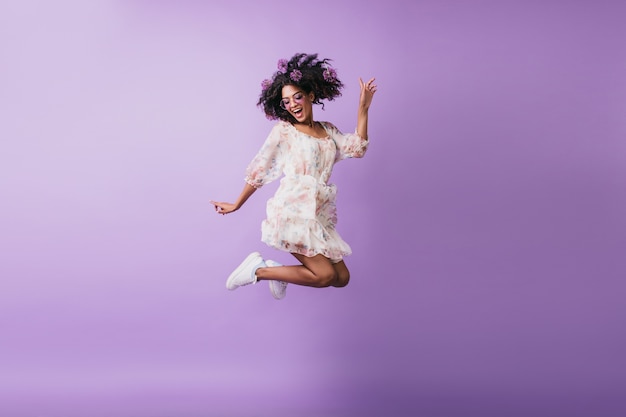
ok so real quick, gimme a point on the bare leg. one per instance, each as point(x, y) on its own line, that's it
point(343, 275)
point(316, 271)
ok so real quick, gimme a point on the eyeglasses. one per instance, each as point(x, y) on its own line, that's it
point(298, 98)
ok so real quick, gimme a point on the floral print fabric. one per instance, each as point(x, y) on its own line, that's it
point(301, 216)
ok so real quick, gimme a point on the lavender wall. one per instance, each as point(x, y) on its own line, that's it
point(487, 220)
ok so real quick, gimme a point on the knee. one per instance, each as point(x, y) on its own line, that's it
point(343, 279)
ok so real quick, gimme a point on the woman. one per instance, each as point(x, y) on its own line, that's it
point(301, 216)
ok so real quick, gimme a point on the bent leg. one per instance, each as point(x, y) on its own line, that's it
point(316, 271)
point(343, 275)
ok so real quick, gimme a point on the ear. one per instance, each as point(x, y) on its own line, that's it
point(311, 96)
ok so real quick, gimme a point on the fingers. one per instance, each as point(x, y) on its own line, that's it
point(369, 85)
point(219, 207)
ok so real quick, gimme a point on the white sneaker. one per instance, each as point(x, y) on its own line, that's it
point(277, 288)
point(245, 274)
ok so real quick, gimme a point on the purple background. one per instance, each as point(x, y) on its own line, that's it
point(487, 219)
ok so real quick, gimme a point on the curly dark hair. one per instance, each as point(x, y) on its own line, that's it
point(306, 72)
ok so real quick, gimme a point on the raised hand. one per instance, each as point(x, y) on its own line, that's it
point(367, 93)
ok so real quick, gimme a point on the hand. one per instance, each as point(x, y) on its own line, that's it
point(224, 208)
point(367, 93)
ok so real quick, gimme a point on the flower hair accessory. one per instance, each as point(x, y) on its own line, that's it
point(282, 65)
point(265, 84)
point(295, 75)
point(330, 74)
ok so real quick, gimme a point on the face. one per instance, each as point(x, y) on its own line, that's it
point(298, 103)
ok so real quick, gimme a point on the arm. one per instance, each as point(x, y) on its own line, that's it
point(367, 93)
point(354, 145)
point(265, 167)
point(225, 208)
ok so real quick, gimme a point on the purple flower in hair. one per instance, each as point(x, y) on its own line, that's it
point(265, 84)
point(282, 65)
point(295, 75)
point(330, 75)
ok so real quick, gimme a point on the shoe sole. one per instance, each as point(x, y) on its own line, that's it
point(272, 283)
point(274, 294)
point(242, 266)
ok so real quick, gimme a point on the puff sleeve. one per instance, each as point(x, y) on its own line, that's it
point(349, 145)
point(268, 163)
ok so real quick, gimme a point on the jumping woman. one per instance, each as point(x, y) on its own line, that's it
point(301, 216)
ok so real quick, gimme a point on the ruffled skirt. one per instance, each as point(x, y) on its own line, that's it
point(301, 218)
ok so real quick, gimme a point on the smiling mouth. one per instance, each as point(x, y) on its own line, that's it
point(297, 112)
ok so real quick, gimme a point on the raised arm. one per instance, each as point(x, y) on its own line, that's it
point(367, 93)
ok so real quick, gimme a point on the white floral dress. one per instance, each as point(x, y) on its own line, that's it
point(301, 216)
